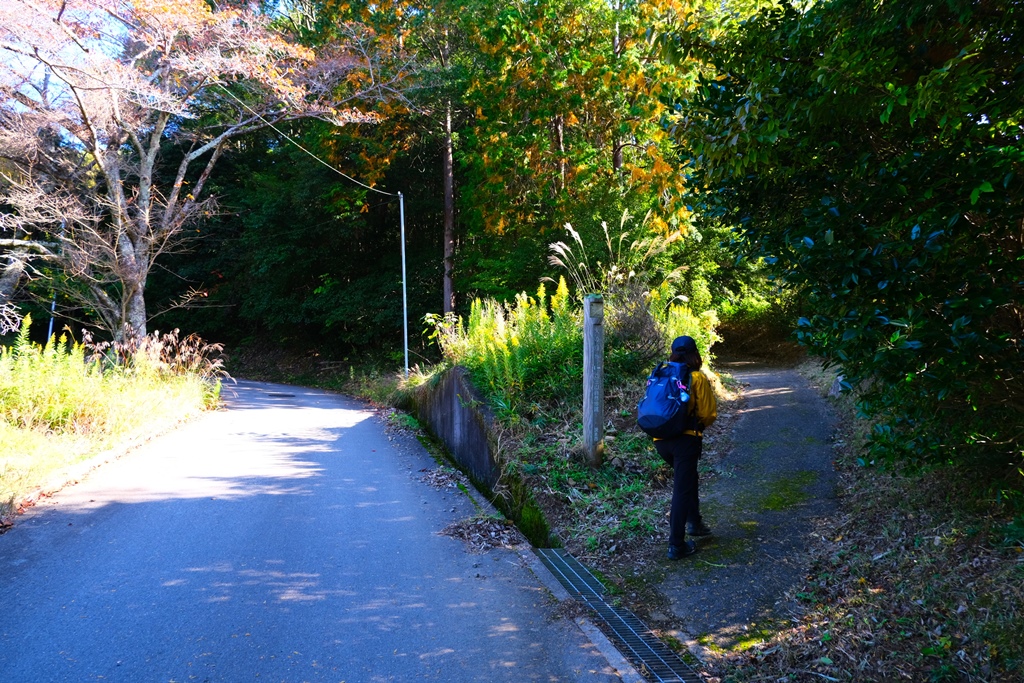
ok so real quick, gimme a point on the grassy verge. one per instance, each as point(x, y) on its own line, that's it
point(58, 409)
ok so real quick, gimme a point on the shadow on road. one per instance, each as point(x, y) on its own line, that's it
point(285, 538)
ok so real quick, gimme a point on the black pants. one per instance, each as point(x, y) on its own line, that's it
point(682, 454)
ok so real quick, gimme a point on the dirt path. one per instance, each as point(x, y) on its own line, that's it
point(773, 486)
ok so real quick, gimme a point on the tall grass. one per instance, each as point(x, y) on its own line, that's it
point(521, 352)
point(675, 320)
point(64, 402)
point(528, 354)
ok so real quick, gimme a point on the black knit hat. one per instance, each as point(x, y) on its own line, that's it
point(684, 344)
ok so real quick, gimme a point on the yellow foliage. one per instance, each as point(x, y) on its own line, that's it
point(658, 225)
point(661, 167)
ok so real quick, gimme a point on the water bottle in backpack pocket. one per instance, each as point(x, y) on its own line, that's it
point(665, 410)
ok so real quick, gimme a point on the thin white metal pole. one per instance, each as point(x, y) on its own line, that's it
point(53, 303)
point(53, 309)
point(405, 296)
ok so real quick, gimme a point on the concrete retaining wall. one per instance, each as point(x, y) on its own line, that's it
point(454, 413)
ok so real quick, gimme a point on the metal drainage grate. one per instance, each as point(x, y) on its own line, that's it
point(635, 640)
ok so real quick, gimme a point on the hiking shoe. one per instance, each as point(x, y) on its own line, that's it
point(677, 551)
point(701, 529)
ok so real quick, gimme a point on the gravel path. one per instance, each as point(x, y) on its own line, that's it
point(774, 485)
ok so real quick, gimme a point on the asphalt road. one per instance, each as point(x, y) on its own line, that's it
point(288, 538)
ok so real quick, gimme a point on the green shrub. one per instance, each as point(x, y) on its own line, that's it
point(675, 320)
point(528, 350)
point(529, 354)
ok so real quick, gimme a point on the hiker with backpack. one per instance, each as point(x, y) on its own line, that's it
point(678, 406)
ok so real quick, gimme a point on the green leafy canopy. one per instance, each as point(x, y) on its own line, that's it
point(873, 152)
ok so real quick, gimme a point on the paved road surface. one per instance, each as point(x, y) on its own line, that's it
point(288, 538)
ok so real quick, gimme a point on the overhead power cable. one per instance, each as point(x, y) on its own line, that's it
point(297, 144)
point(401, 211)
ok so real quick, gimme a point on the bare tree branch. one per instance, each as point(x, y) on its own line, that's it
point(41, 248)
point(93, 91)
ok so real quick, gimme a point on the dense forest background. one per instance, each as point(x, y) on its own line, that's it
point(846, 171)
point(545, 130)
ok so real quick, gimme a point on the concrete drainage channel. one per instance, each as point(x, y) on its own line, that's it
point(455, 414)
point(648, 654)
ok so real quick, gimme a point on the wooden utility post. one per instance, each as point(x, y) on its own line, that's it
point(593, 378)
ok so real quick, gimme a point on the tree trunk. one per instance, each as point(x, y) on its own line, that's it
point(135, 310)
point(616, 46)
point(559, 139)
point(449, 212)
